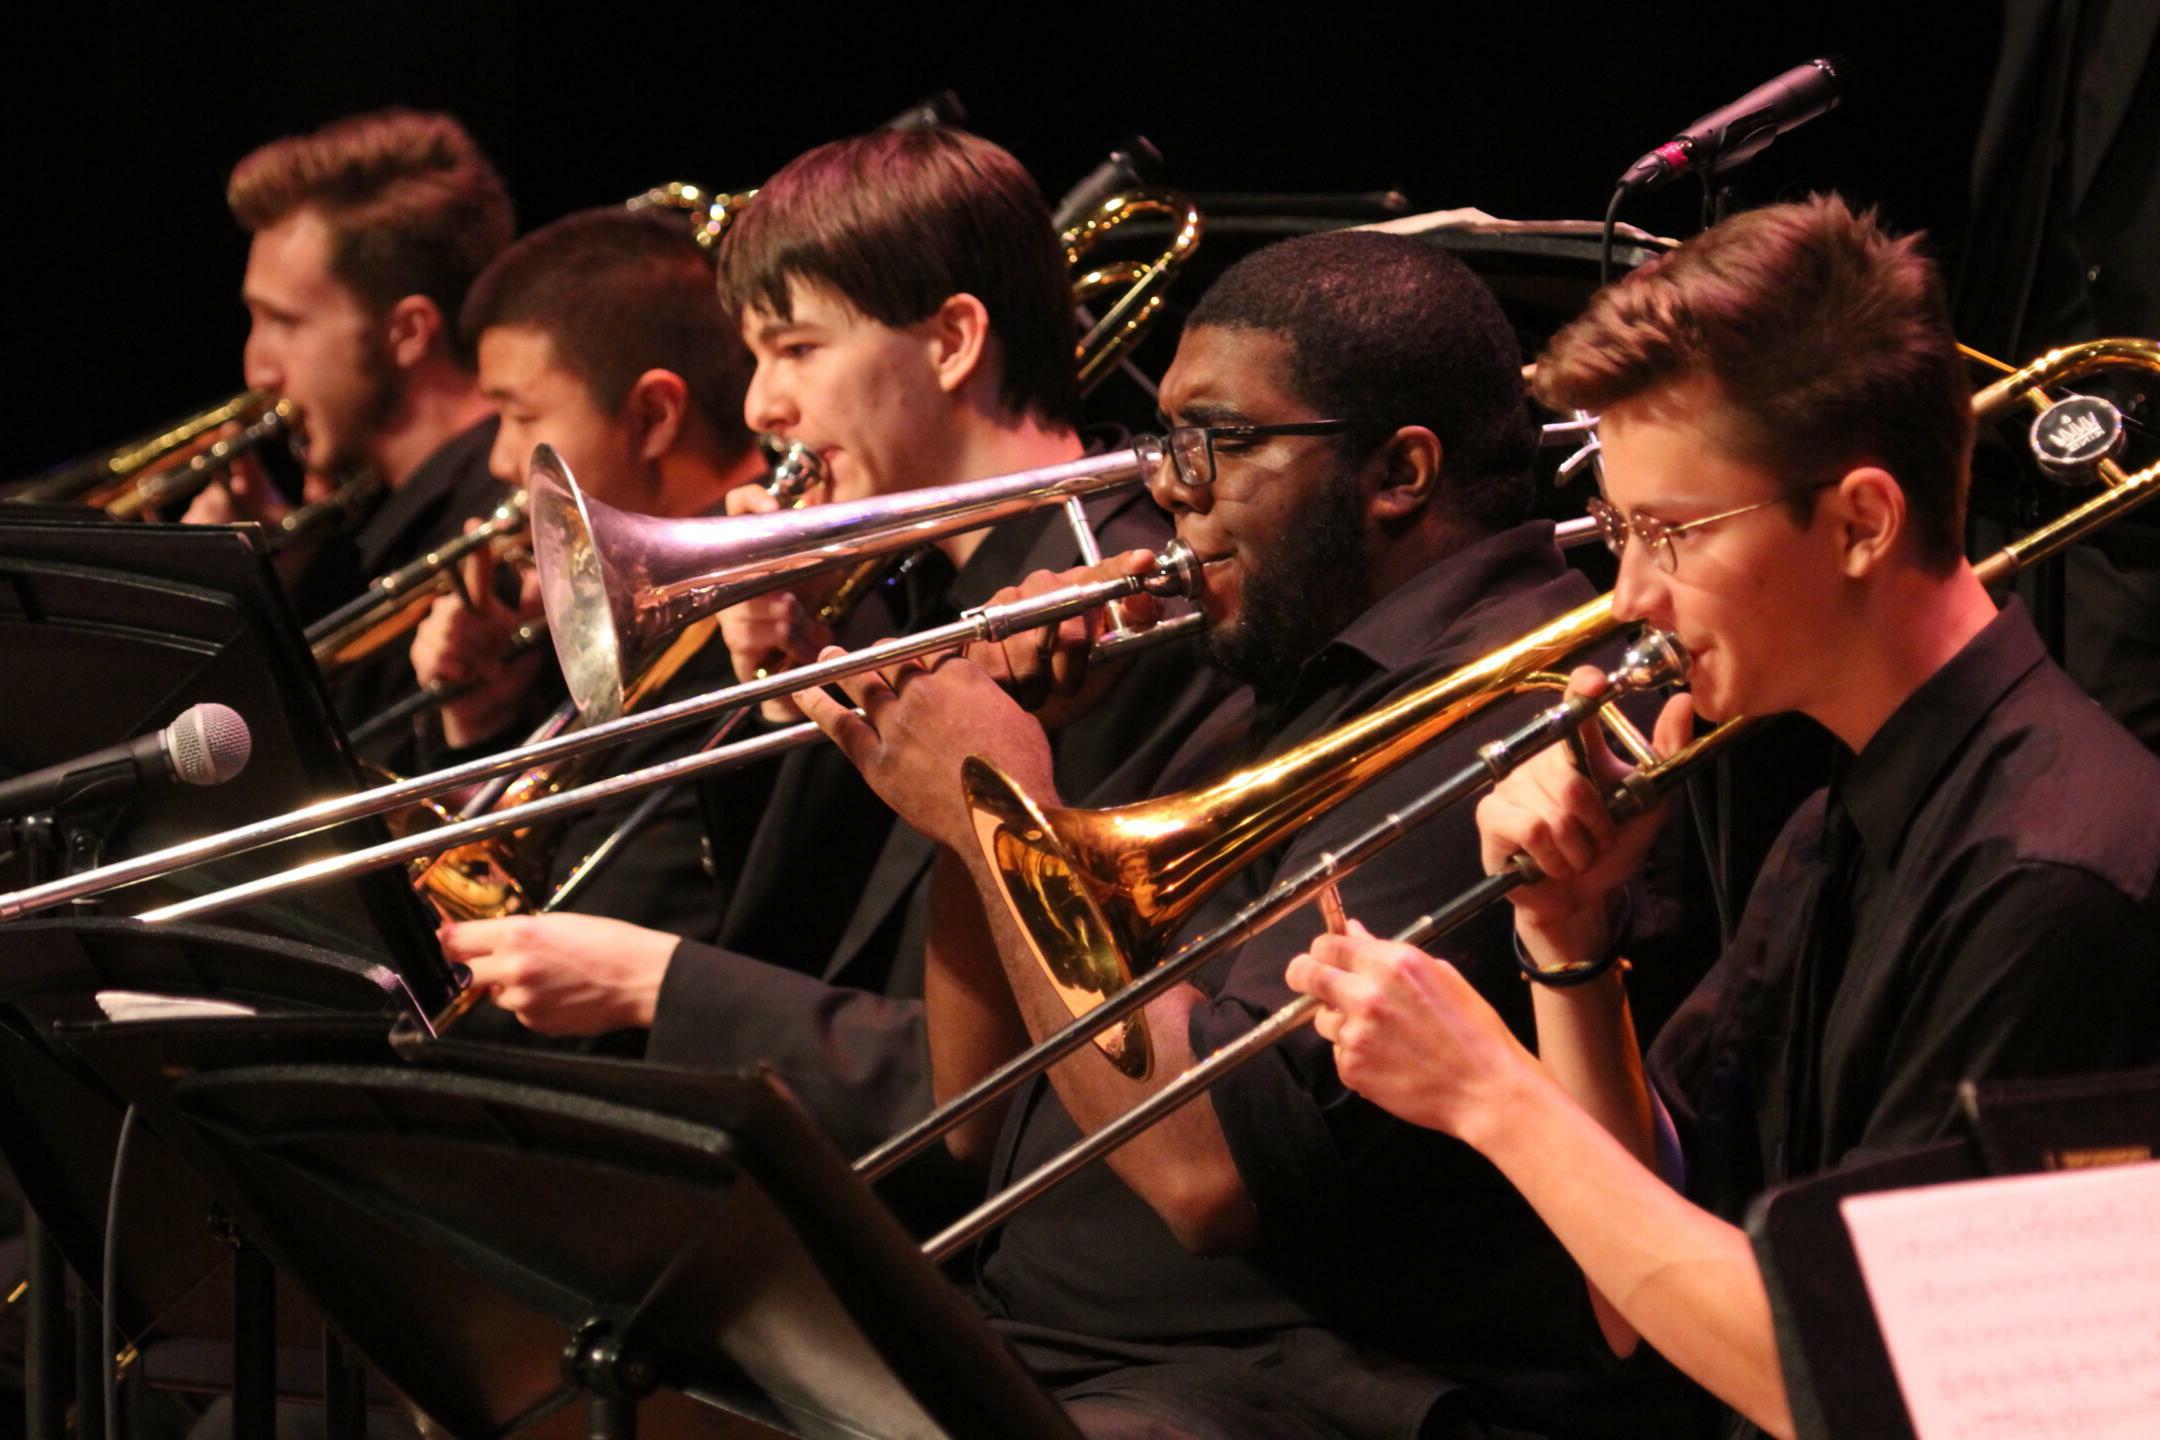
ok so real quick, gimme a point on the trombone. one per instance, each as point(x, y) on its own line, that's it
point(177, 484)
point(396, 603)
point(102, 478)
point(696, 567)
point(1269, 812)
point(499, 876)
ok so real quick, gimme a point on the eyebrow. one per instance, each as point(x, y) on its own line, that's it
point(1210, 413)
point(772, 329)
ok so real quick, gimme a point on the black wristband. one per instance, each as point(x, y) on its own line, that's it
point(1566, 977)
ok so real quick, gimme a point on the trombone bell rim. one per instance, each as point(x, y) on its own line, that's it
point(574, 587)
point(1049, 894)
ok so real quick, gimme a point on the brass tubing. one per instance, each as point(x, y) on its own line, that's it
point(1285, 896)
point(396, 603)
point(192, 476)
point(991, 499)
point(96, 479)
point(2071, 362)
point(1640, 788)
point(1630, 798)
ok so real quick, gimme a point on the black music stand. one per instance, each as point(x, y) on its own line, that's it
point(1838, 1376)
point(176, 1276)
point(503, 1232)
point(107, 631)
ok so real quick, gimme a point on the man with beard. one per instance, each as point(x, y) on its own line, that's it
point(366, 235)
point(1348, 455)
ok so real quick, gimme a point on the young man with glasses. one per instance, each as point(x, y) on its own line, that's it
point(1348, 457)
point(1787, 430)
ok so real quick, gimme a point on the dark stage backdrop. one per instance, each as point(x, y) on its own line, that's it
point(124, 267)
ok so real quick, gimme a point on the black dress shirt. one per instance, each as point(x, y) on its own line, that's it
point(1975, 895)
point(451, 486)
point(818, 970)
point(1381, 1242)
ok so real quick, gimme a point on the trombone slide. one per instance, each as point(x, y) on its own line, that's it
point(989, 622)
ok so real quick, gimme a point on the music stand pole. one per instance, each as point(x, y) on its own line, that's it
point(45, 1318)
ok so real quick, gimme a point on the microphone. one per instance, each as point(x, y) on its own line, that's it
point(1734, 134)
point(1134, 165)
point(206, 744)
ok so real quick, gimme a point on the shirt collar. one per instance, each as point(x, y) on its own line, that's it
point(1462, 597)
point(1885, 785)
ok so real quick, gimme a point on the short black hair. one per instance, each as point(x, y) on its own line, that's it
point(898, 221)
point(619, 292)
point(1388, 329)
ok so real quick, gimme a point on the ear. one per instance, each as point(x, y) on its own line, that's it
point(658, 408)
point(958, 334)
point(414, 329)
point(1406, 473)
point(1868, 511)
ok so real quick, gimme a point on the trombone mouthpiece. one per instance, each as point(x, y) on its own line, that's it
point(1177, 571)
point(1656, 658)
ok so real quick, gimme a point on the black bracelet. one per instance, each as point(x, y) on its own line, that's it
point(1566, 977)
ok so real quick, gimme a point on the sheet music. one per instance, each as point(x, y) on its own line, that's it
point(2020, 1307)
point(128, 1005)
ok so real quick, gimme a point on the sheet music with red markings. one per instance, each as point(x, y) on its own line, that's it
point(2024, 1308)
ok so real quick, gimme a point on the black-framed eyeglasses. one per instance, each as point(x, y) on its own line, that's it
point(1191, 448)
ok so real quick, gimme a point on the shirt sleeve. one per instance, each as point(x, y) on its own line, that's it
point(859, 1062)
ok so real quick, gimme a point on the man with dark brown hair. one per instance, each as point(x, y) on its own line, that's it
point(1786, 434)
point(366, 235)
point(903, 296)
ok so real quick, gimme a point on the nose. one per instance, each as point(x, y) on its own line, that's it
point(1170, 491)
point(767, 408)
point(506, 458)
point(1640, 589)
point(259, 365)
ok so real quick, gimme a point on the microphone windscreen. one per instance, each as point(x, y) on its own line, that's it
point(209, 744)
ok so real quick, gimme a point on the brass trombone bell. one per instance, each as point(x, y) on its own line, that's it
point(616, 585)
point(1656, 777)
point(1098, 894)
